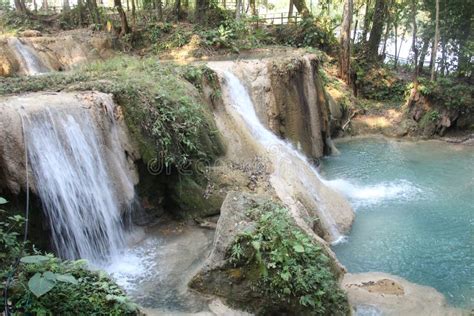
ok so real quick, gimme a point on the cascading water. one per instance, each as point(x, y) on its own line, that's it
point(66, 156)
point(28, 59)
point(284, 155)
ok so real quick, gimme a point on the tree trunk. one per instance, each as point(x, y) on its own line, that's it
point(66, 6)
point(253, 7)
point(159, 10)
point(345, 42)
point(401, 44)
point(424, 51)
point(443, 58)
point(290, 10)
point(134, 14)
point(367, 19)
point(202, 7)
point(80, 7)
point(300, 5)
point(395, 29)
point(20, 6)
point(124, 29)
point(377, 29)
point(354, 33)
point(45, 6)
point(177, 9)
point(94, 11)
point(413, 43)
point(434, 49)
point(387, 31)
point(238, 8)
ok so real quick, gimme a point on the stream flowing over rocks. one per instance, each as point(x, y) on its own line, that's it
point(75, 154)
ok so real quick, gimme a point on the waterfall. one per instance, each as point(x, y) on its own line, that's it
point(30, 62)
point(285, 158)
point(67, 153)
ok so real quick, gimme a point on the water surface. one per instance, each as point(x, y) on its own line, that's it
point(414, 211)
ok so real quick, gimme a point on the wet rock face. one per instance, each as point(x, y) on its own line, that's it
point(105, 114)
point(290, 99)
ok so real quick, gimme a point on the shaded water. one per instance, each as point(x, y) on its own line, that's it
point(415, 211)
point(155, 271)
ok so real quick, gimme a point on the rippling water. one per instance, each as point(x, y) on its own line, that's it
point(415, 211)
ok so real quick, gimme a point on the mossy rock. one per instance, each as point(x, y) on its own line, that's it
point(193, 200)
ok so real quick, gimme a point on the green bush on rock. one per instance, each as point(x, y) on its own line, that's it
point(45, 285)
point(290, 268)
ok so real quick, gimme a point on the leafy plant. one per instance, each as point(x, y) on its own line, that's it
point(448, 92)
point(291, 266)
point(45, 285)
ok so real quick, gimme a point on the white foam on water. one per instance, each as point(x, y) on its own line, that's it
point(134, 264)
point(373, 194)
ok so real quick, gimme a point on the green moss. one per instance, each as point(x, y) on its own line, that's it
point(288, 267)
point(192, 198)
point(164, 113)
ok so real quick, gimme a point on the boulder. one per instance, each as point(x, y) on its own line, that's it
point(376, 293)
point(237, 284)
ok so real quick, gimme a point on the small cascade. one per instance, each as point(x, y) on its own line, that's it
point(285, 158)
point(30, 62)
point(68, 160)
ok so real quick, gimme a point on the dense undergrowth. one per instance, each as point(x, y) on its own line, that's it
point(41, 284)
point(292, 270)
point(162, 109)
point(230, 35)
point(449, 92)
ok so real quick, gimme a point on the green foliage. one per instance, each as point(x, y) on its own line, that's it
point(64, 287)
point(234, 35)
point(310, 32)
point(12, 22)
point(292, 267)
point(378, 83)
point(163, 112)
point(45, 285)
point(449, 93)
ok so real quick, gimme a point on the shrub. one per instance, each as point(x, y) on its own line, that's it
point(378, 83)
point(291, 267)
point(45, 285)
point(448, 92)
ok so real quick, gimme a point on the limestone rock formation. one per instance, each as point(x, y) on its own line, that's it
point(376, 293)
point(292, 179)
point(219, 277)
point(61, 52)
point(14, 110)
point(290, 99)
point(435, 119)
